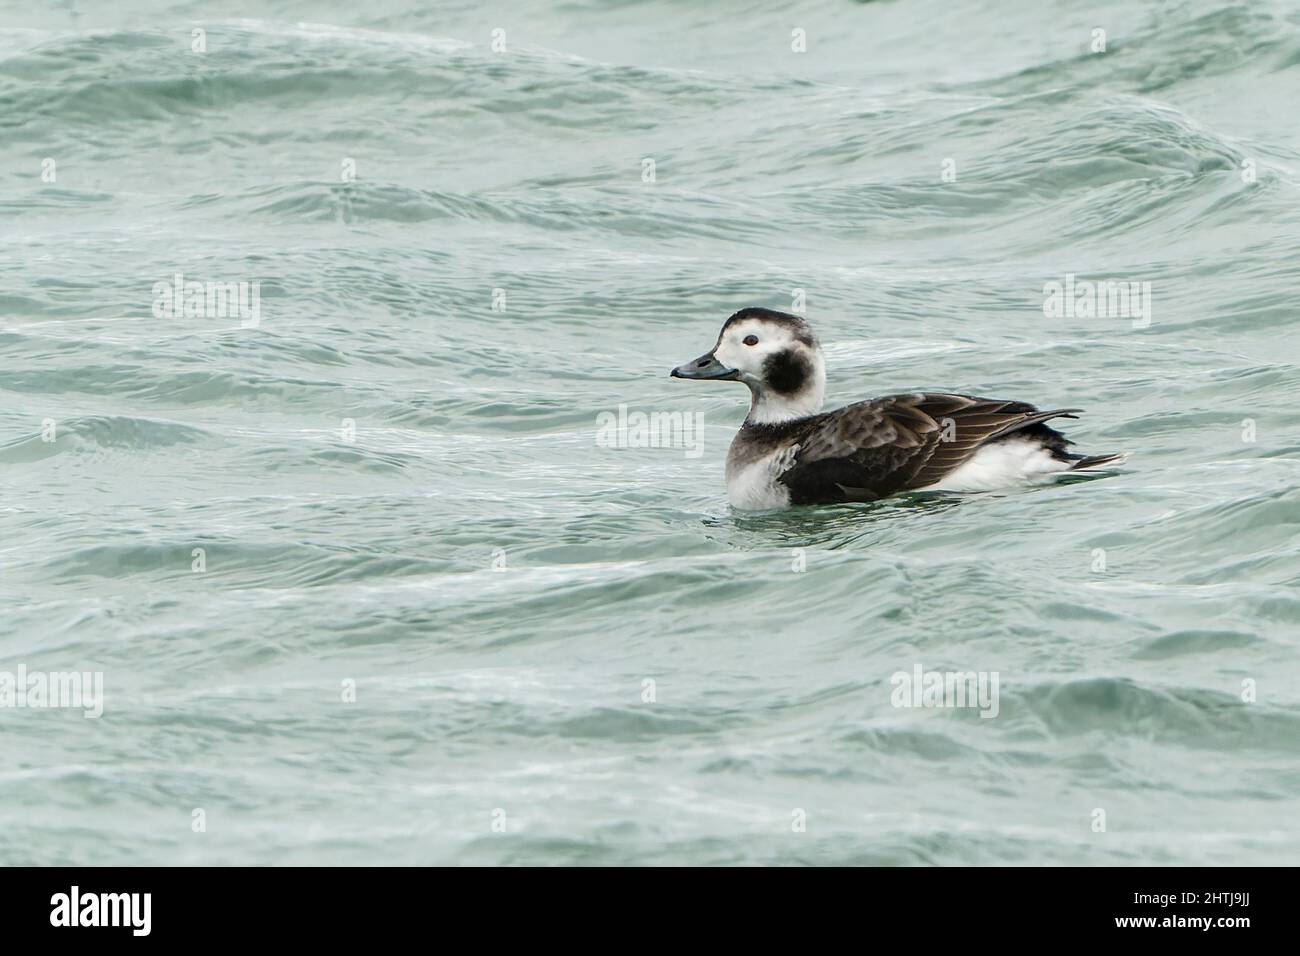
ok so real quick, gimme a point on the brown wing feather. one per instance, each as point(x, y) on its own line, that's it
point(897, 443)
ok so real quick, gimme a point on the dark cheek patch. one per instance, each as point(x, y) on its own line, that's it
point(786, 371)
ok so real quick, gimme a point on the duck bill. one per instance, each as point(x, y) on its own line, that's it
point(704, 367)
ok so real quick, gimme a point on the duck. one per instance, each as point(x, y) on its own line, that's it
point(789, 452)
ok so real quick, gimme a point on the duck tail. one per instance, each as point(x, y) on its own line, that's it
point(1097, 461)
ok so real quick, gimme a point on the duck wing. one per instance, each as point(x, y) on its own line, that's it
point(898, 443)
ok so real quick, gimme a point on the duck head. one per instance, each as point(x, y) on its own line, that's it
point(776, 355)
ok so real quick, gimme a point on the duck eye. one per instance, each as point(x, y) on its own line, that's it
point(751, 339)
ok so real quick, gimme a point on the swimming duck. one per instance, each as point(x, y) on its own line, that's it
point(789, 452)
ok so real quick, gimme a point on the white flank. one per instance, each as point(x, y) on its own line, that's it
point(1002, 465)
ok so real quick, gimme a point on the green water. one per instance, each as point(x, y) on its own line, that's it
point(362, 583)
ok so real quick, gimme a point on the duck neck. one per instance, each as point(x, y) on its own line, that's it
point(770, 407)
